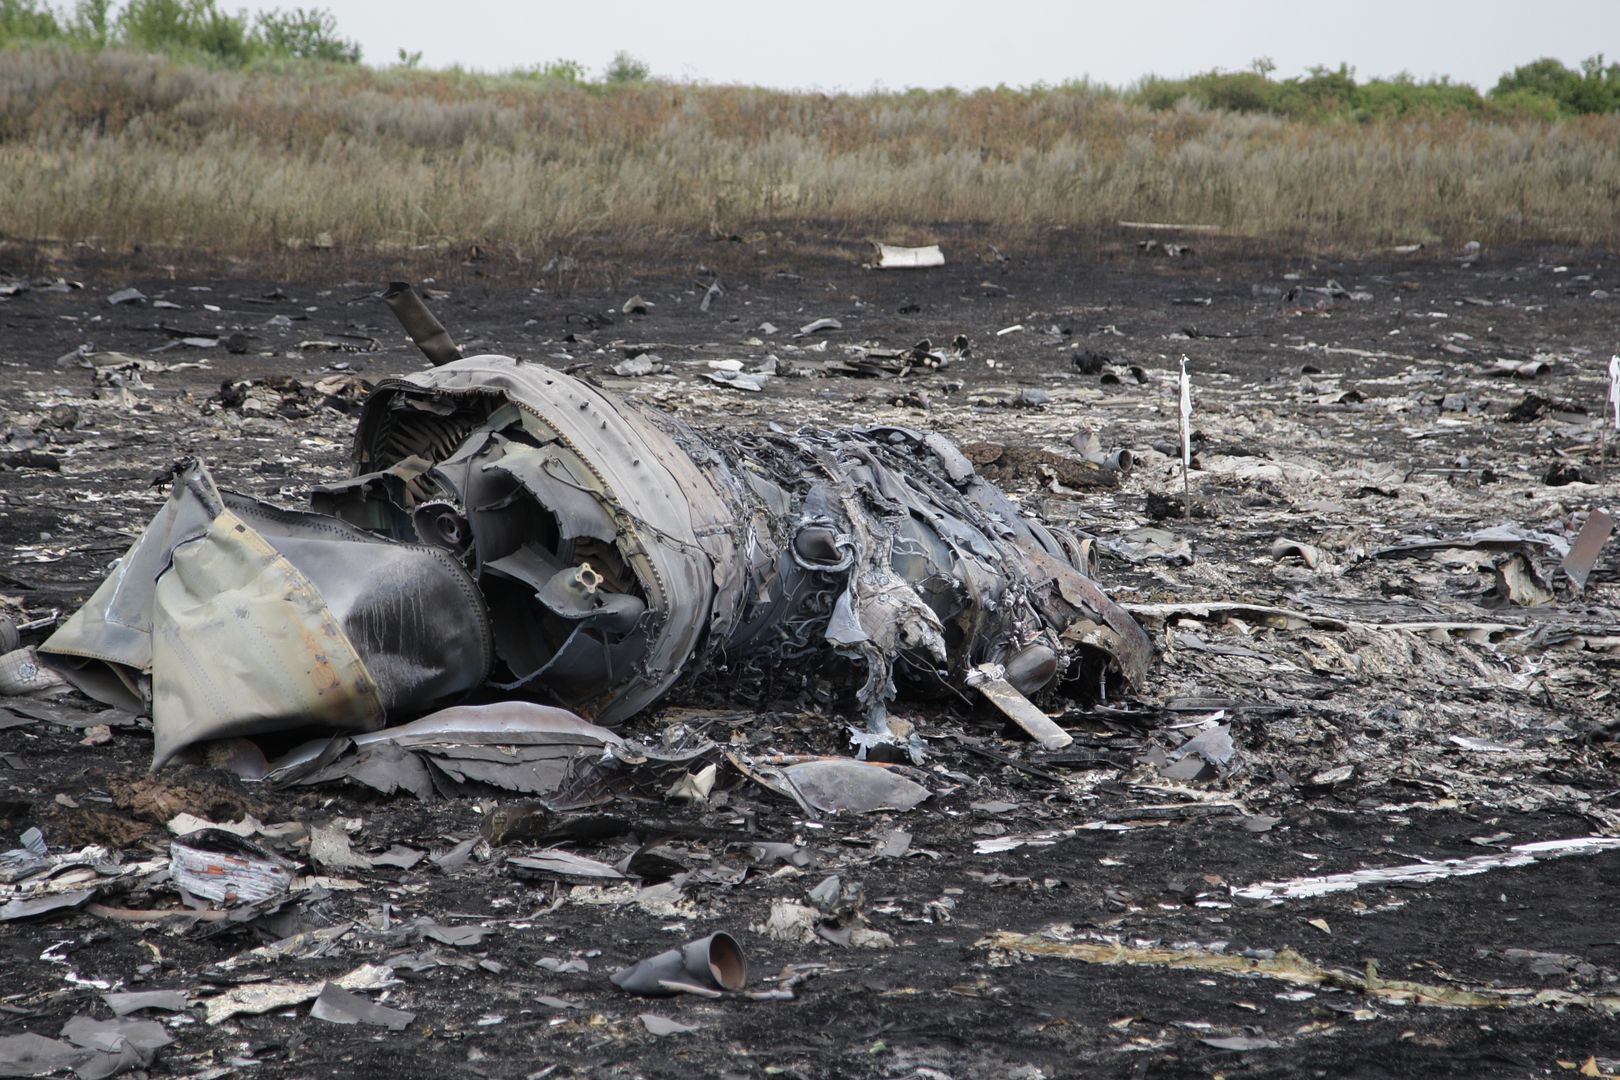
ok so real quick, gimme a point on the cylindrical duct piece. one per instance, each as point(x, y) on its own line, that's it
point(428, 333)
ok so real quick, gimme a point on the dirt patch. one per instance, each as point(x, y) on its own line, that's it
point(1388, 702)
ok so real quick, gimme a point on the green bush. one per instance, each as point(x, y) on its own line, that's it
point(1322, 94)
point(303, 34)
point(1593, 89)
point(1233, 91)
point(1160, 94)
point(1405, 96)
point(1236, 91)
point(563, 71)
point(1525, 104)
point(27, 20)
point(626, 69)
point(185, 27)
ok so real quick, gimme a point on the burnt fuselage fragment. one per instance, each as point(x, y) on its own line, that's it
point(622, 551)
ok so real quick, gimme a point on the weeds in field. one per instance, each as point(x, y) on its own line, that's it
point(119, 149)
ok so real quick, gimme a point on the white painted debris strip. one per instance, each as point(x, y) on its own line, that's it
point(1310, 555)
point(1519, 369)
point(843, 785)
point(338, 1006)
point(891, 257)
point(663, 1025)
point(1420, 873)
point(1153, 816)
point(1172, 226)
point(990, 680)
point(1614, 389)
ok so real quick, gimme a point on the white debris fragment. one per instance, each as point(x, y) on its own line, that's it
point(1423, 872)
point(892, 257)
point(255, 999)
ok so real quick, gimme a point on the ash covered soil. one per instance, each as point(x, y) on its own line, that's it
point(1385, 708)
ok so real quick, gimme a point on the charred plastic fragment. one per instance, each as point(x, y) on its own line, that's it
point(518, 532)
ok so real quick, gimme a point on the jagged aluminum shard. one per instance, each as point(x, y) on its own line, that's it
point(619, 553)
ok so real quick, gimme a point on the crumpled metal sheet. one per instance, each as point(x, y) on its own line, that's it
point(514, 745)
point(232, 617)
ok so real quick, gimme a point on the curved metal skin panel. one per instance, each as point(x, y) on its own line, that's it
point(230, 617)
point(671, 523)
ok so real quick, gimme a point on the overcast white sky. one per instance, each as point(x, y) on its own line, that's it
point(861, 44)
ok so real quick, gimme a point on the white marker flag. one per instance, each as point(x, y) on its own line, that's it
point(1614, 389)
point(1186, 418)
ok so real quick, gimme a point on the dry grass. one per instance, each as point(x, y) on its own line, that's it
point(122, 150)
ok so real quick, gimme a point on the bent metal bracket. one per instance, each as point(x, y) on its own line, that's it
point(513, 532)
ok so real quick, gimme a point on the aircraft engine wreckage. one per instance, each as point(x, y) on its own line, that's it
point(513, 532)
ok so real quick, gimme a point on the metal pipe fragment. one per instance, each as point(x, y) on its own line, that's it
point(428, 333)
point(705, 967)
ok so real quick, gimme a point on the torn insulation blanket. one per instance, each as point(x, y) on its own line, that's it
point(607, 555)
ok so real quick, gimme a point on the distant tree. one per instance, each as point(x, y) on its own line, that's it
point(1593, 89)
point(198, 28)
point(1546, 76)
point(626, 69)
point(1599, 91)
point(182, 26)
point(304, 34)
point(1235, 91)
point(91, 23)
point(27, 20)
point(1323, 92)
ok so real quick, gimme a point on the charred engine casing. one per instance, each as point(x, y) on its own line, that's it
point(621, 551)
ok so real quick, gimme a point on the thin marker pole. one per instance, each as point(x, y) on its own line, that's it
point(1186, 440)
